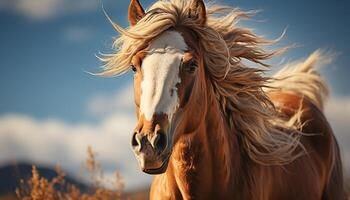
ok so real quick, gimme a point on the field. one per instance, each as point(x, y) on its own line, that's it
point(59, 186)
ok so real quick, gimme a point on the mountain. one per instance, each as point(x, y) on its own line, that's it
point(11, 174)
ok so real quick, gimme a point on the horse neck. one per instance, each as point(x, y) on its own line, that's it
point(208, 155)
point(225, 148)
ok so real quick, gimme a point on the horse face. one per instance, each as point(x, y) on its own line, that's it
point(164, 77)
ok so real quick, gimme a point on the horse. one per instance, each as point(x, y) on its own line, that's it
point(210, 123)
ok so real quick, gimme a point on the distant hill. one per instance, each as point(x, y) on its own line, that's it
point(10, 176)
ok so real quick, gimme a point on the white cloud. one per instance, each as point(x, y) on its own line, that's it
point(51, 142)
point(45, 9)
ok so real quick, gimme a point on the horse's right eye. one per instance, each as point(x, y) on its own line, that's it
point(133, 68)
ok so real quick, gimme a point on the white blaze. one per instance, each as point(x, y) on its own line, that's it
point(160, 70)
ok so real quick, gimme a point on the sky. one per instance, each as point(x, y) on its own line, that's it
point(51, 108)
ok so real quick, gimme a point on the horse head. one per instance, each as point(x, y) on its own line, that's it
point(167, 74)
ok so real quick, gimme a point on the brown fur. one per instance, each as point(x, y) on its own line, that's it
point(195, 169)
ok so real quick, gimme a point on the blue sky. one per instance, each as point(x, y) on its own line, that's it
point(47, 45)
point(43, 58)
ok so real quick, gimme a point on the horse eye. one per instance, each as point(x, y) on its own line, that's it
point(133, 68)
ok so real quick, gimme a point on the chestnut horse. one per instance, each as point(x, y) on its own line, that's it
point(211, 127)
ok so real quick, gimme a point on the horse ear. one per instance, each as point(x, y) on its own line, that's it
point(197, 11)
point(136, 12)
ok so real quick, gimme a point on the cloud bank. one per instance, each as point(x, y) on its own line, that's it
point(52, 141)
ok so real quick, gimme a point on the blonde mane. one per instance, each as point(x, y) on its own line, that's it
point(238, 88)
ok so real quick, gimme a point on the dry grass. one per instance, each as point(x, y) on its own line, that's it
point(39, 188)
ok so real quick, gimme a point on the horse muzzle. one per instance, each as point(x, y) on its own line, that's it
point(150, 150)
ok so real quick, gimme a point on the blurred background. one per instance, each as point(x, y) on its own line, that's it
point(51, 109)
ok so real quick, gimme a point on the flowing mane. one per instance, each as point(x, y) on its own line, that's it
point(238, 88)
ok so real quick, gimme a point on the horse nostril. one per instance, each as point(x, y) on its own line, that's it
point(160, 141)
point(134, 140)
